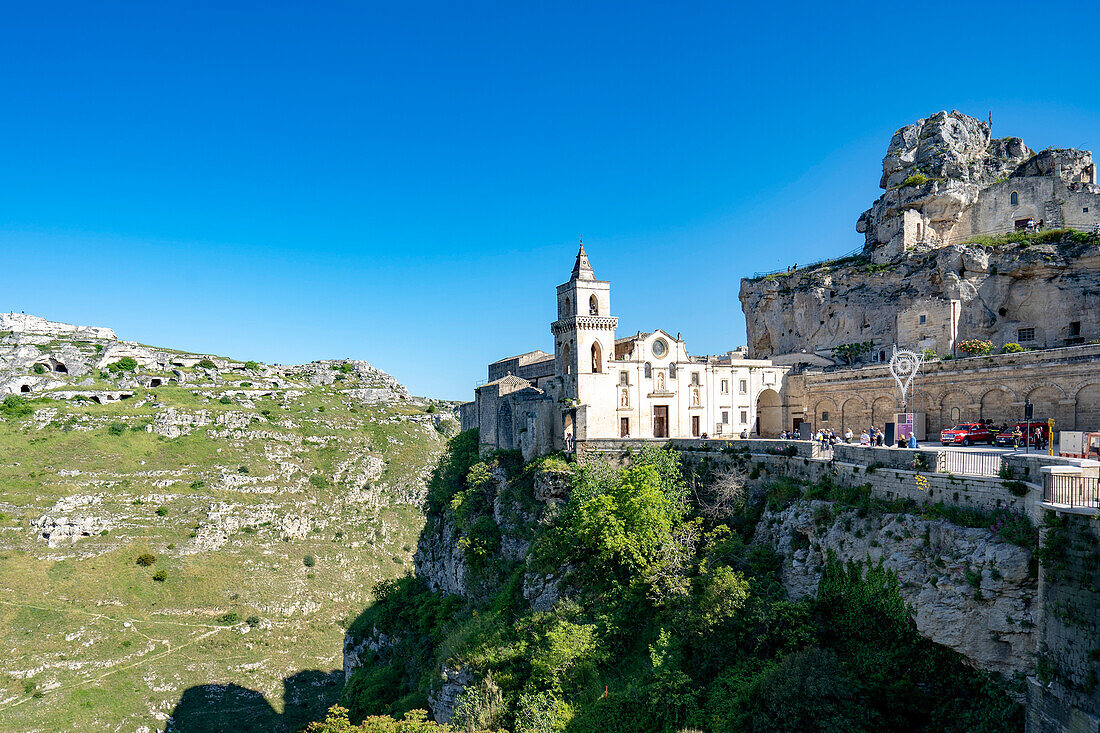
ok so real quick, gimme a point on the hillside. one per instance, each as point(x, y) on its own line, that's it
point(681, 593)
point(189, 534)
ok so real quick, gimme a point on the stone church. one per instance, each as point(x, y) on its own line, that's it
point(597, 386)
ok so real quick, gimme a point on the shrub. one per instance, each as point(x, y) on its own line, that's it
point(229, 618)
point(242, 469)
point(975, 347)
point(198, 484)
point(39, 369)
point(225, 400)
point(1012, 348)
point(117, 428)
point(252, 365)
point(914, 179)
point(207, 364)
point(15, 406)
point(125, 364)
point(160, 576)
point(347, 368)
point(309, 561)
point(162, 511)
point(318, 480)
point(146, 559)
point(253, 620)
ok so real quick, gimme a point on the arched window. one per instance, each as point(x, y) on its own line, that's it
point(1014, 199)
point(597, 359)
point(648, 370)
point(593, 306)
point(566, 360)
point(672, 371)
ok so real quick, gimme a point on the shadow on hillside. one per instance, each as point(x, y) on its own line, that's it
point(235, 709)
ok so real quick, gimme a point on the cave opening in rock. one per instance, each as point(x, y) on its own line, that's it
point(61, 368)
point(25, 388)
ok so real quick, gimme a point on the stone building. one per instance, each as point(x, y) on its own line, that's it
point(645, 385)
point(929, 274)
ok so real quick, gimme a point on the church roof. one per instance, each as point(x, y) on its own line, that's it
point(508, 383)
point(526, 358)
point(582, 270)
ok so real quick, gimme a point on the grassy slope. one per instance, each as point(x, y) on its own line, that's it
point(90, 641)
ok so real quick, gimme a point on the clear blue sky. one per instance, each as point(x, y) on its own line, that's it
point(405, 182)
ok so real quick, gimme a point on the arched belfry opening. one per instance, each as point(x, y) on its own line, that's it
point(593, 306)
point(597, 359)
point(566, 359)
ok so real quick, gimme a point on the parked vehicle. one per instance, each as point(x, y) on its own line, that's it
point(1027, 433)
point(1078, 444)
point(967, 433)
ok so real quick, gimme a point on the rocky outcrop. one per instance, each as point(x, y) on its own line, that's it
point(968, 589)
point(997, 290)
point(445, 697)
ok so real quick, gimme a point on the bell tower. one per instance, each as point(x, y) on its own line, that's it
point(584, 335)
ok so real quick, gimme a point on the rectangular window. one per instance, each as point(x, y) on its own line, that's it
point(744, 417)
point(1025, 334)
point(743, 386)
point(923, 319)
point(695, 379)
point(1075, 328)
point(725, 417)
point(624, 378)
point(725, 386)
point(825, 416)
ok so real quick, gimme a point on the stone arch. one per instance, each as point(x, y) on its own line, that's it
point(155, 382)
point(1087, 408)
point(597, 358)
point(996, 405)
point(566, 360)
point(504, 426)
point(853, 414)
point(648, 370)
point(769, 414)
point(882, 412)
point(824, 414)
point(1014, 199)
point(955, 408)
point(60, 368)
point(1046, 402)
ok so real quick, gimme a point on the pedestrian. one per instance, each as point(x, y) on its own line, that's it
point(744, 434)
point(880, 439)
point(865, 438)
point(848, 435)
point(1017, 437)
point(913, 441)
point(1039, 441)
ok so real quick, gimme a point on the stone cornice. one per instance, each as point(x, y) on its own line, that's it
point(589, 323)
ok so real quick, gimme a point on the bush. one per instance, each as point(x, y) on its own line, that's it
point(318, 480)
point(117, 428)
point(15, 406)
point(162, 511)
point(207, 364)
point(160, 576)
point(914, 179)
point(975, 347)
point(225, 400)
point(309, 561)
point(146, 559)
point(1012, 348)
point(229, 618)
point(251, 365)
point(242, 469)
point(125, 364)
point(253, 620)
point(347, 368)
point(39, 369)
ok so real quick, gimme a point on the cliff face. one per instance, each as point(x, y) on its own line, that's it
point(999, 289)
point(969, 590)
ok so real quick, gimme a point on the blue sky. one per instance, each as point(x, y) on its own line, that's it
point(405, 182)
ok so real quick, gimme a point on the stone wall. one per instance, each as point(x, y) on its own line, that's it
point(1063, 384)
point(1065, 694)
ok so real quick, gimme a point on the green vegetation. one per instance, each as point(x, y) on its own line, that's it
point(16, 407)
point(125, 364)
point(670, 618)
point(146, 559)
point(251, 365)
point(975, 347)
point(1024, 238)
point(309, 561)
point(914, 179)
point(1012, 348)
point(850, 353)
point(206, 364)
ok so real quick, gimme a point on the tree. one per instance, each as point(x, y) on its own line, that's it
point(850, 353)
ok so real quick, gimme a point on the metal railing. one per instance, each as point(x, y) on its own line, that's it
point(1082, 491)
point(972, 463)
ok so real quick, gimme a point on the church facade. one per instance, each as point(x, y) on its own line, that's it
point(594, 385)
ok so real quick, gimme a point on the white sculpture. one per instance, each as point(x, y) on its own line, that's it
point(904, 366)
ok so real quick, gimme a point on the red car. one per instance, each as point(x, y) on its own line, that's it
point(967, 433)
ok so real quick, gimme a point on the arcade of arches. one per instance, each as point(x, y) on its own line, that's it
point(1058, 382)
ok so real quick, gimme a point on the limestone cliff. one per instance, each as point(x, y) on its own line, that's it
point(998, 290)
point(968, 589)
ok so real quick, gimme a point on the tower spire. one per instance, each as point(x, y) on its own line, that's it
point(582, 270)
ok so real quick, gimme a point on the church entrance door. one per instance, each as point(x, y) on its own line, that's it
point(695, 426)
point(660, 421)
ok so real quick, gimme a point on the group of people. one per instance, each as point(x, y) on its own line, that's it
point(1038, 436)
point(870, 437)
